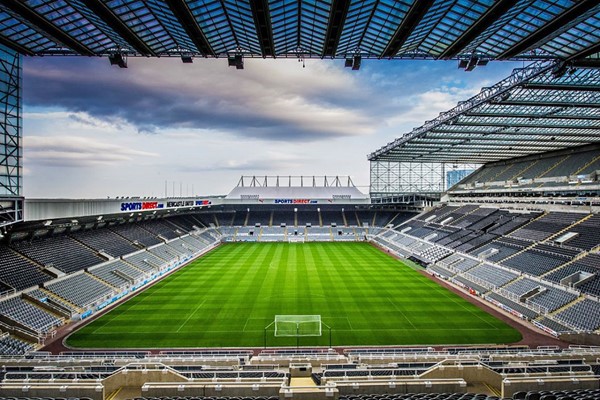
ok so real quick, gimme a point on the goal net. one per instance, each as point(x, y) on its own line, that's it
point(297, 325)
point(296, 239)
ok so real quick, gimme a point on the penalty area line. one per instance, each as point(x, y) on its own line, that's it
point(191, 315)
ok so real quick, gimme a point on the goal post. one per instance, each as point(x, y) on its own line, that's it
point(296, 239)
point(297, 326)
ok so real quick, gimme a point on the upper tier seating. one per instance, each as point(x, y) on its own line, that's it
point(18, 272)
point(105, 240)
point(588, 234)
point(304, 218)
point(186, 223)
point(136, 234)
point(161, 228)
point(535, 262)
point(552, 166)
point(61, 252)
point(547, 225)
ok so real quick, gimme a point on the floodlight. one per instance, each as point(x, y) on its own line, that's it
point(236, 61)
point(356, 63)
point(118, 59)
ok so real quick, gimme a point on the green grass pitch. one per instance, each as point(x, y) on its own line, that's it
point(227, 297)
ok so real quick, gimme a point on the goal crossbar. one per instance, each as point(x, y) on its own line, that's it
point(297, 325)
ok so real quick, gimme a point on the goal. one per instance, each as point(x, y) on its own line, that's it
point(296, 239)
point(297, 325)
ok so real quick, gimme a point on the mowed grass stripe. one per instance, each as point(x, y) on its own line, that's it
point(227, 297)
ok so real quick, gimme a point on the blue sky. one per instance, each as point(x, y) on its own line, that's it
point(92, 130)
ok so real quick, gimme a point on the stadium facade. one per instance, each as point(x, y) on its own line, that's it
point(518, 236)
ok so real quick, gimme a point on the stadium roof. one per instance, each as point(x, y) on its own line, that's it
point(545, 106)
point(473, 30)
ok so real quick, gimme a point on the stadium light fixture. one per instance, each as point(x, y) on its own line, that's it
point(118, 59)
point(353, 62)
point(356, 63)
point(236, 61)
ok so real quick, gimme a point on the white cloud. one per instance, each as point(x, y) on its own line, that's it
point(77, 151)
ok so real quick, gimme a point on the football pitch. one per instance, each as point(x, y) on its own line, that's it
point(227, 298)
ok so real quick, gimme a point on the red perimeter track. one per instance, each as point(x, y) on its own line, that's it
point(532, 336)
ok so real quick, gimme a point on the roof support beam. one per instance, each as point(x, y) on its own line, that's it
point(512, 124)
point(187, 20)
point(262, 20)
point(557, 24)
point(443, 138)
point(44, 25)
point(546, 103)
point(15, 46)
point(499, 8)
point(106, 14)
point(337, 17)
point(558, 132)
point(532, 116)
point(585, 53)
point(559, 86)
point(408, 25)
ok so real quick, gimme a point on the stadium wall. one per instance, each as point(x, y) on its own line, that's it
point(44, 209)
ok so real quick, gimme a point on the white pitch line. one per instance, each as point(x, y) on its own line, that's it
point(191, 315)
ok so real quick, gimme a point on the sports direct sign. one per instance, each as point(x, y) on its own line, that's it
point(155, 205)
point(141, 205)
point(294, 201)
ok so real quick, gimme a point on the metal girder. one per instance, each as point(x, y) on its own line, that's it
point(183, 14)
point(517, 137)
point(513, 124)
point(561, 86)
point(584, 53)
point(485, 96)
point(533, 116)
point(541, 103)
point(262, 20)
point(408, 25)
point(496, 11)
point(43, 25)
point(550, 28)
point(337, 17)
point(106, 14)
point(15, 46)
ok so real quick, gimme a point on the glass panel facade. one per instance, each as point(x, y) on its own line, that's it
point(10, 124)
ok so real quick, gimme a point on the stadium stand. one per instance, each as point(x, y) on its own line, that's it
point(81, 289)
point(18, 272)
point(61, 252)
point(145, 261)
point(106, 241)
point(117, 274)
point(136, 234)
point(27, 315)
point(161, 228)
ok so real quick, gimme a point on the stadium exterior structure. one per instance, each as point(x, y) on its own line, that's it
point(250, 190)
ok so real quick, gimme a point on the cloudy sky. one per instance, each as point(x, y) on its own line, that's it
point(92, 130)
